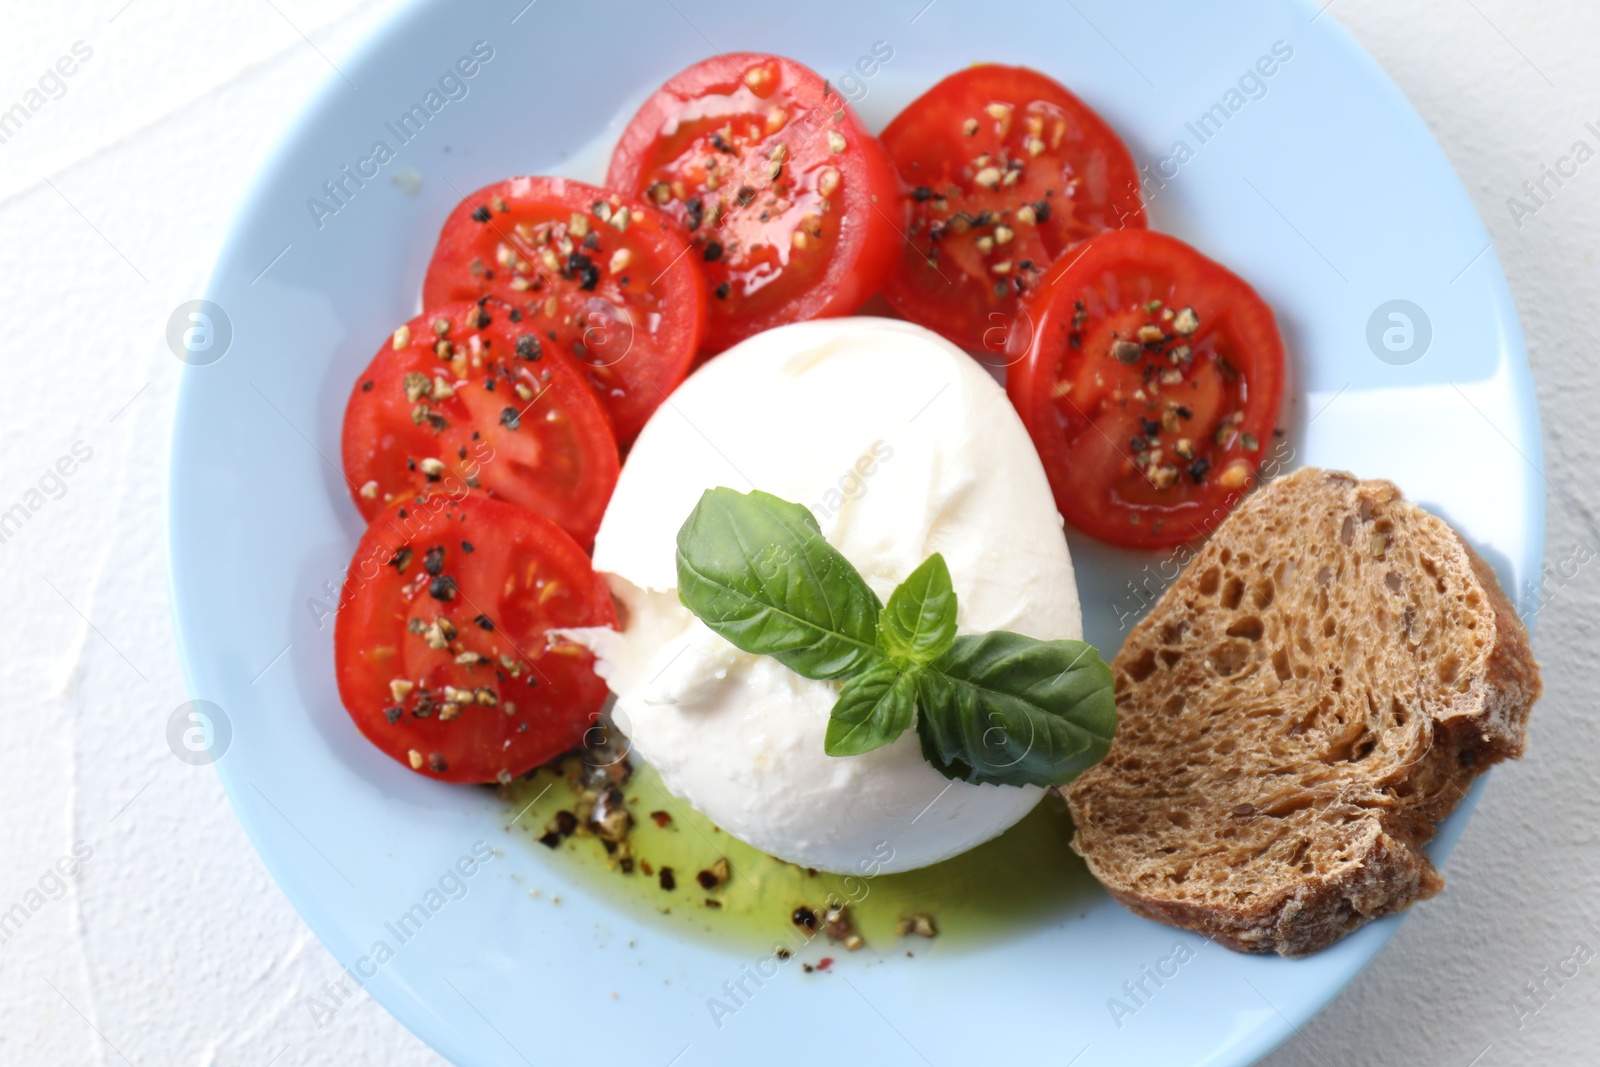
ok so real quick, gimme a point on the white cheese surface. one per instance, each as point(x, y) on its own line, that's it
point(902, 446)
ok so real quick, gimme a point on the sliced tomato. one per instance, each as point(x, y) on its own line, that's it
point(791, 205)
point(1150, 382)
point(597, 276)
point(1004, 170)
point(442, 641)
point(468, 397)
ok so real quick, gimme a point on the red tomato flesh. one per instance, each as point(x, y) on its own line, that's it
point(596, 276)
point(791, 206)
point(1004, 171)
point(442, 645)
point(468, 398)
point(1150, 382)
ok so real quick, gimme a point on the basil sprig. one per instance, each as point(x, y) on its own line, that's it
point(997, 708)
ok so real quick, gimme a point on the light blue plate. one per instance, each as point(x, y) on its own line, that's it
point(1322, 186)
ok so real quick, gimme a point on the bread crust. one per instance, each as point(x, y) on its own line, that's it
point(1335, 747)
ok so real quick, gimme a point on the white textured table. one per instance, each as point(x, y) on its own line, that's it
point(165, 942)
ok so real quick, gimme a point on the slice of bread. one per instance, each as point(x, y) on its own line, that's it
point(1317, 690)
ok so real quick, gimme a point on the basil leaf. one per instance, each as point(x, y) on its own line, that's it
point(873, 709)
point(919, 622)
point(1006, 709)
point(758, 572)
point(997, 708)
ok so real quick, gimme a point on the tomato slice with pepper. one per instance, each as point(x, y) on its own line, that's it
point(792, 207)
point(443, 645)
point(469, 397)
point(597, 276)
point(1150, 382)
point(1004, 170)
